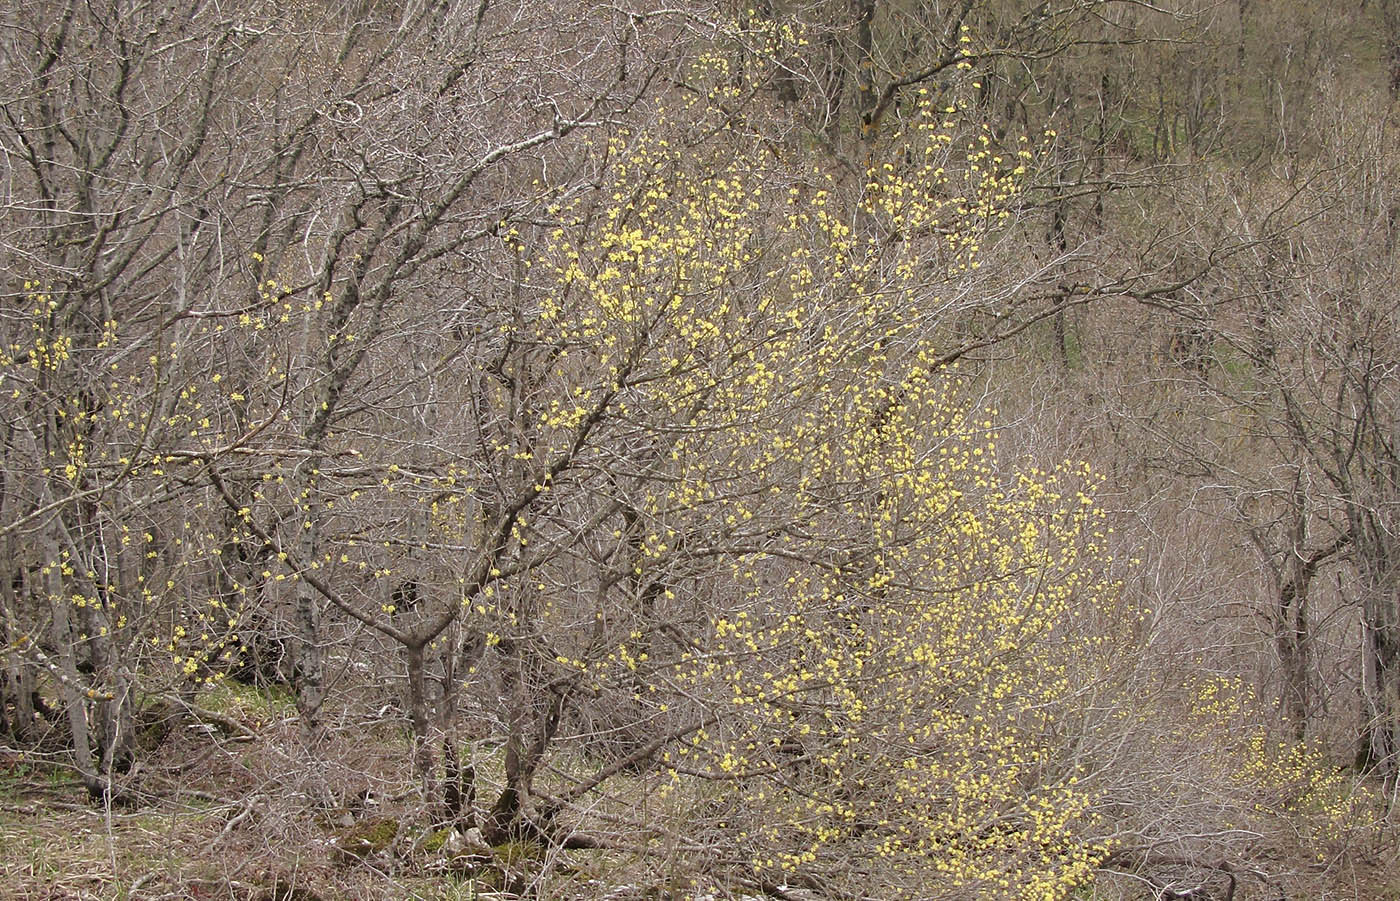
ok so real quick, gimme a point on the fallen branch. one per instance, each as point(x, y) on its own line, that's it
point(1126, 859)
point(232, 728)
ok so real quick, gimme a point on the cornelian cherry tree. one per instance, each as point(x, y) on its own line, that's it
point(750, 537)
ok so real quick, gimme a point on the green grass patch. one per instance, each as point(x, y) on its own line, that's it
point(249, 703)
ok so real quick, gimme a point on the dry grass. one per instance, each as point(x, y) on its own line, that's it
point(224, 820)
point(257, 821)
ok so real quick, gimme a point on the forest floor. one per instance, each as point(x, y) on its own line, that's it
point(238, 816)
point(234, 817)
point(205, 840)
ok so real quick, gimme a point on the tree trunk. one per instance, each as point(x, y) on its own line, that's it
point(865, 68)
point(1292, 642)
point(1380, 648)
point(420, 715)
point(18, 689)
point(71, 690)
point(1292, 629)
point(1376, 746)
point(115, 719)
point(1245, 15)
point(533, 718)
point(308, 664)
point(502, 823)
point(1390, 27)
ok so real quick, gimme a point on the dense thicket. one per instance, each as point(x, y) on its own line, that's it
point(935, 450)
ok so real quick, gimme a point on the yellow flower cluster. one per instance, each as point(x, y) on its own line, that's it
point(889, 646)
